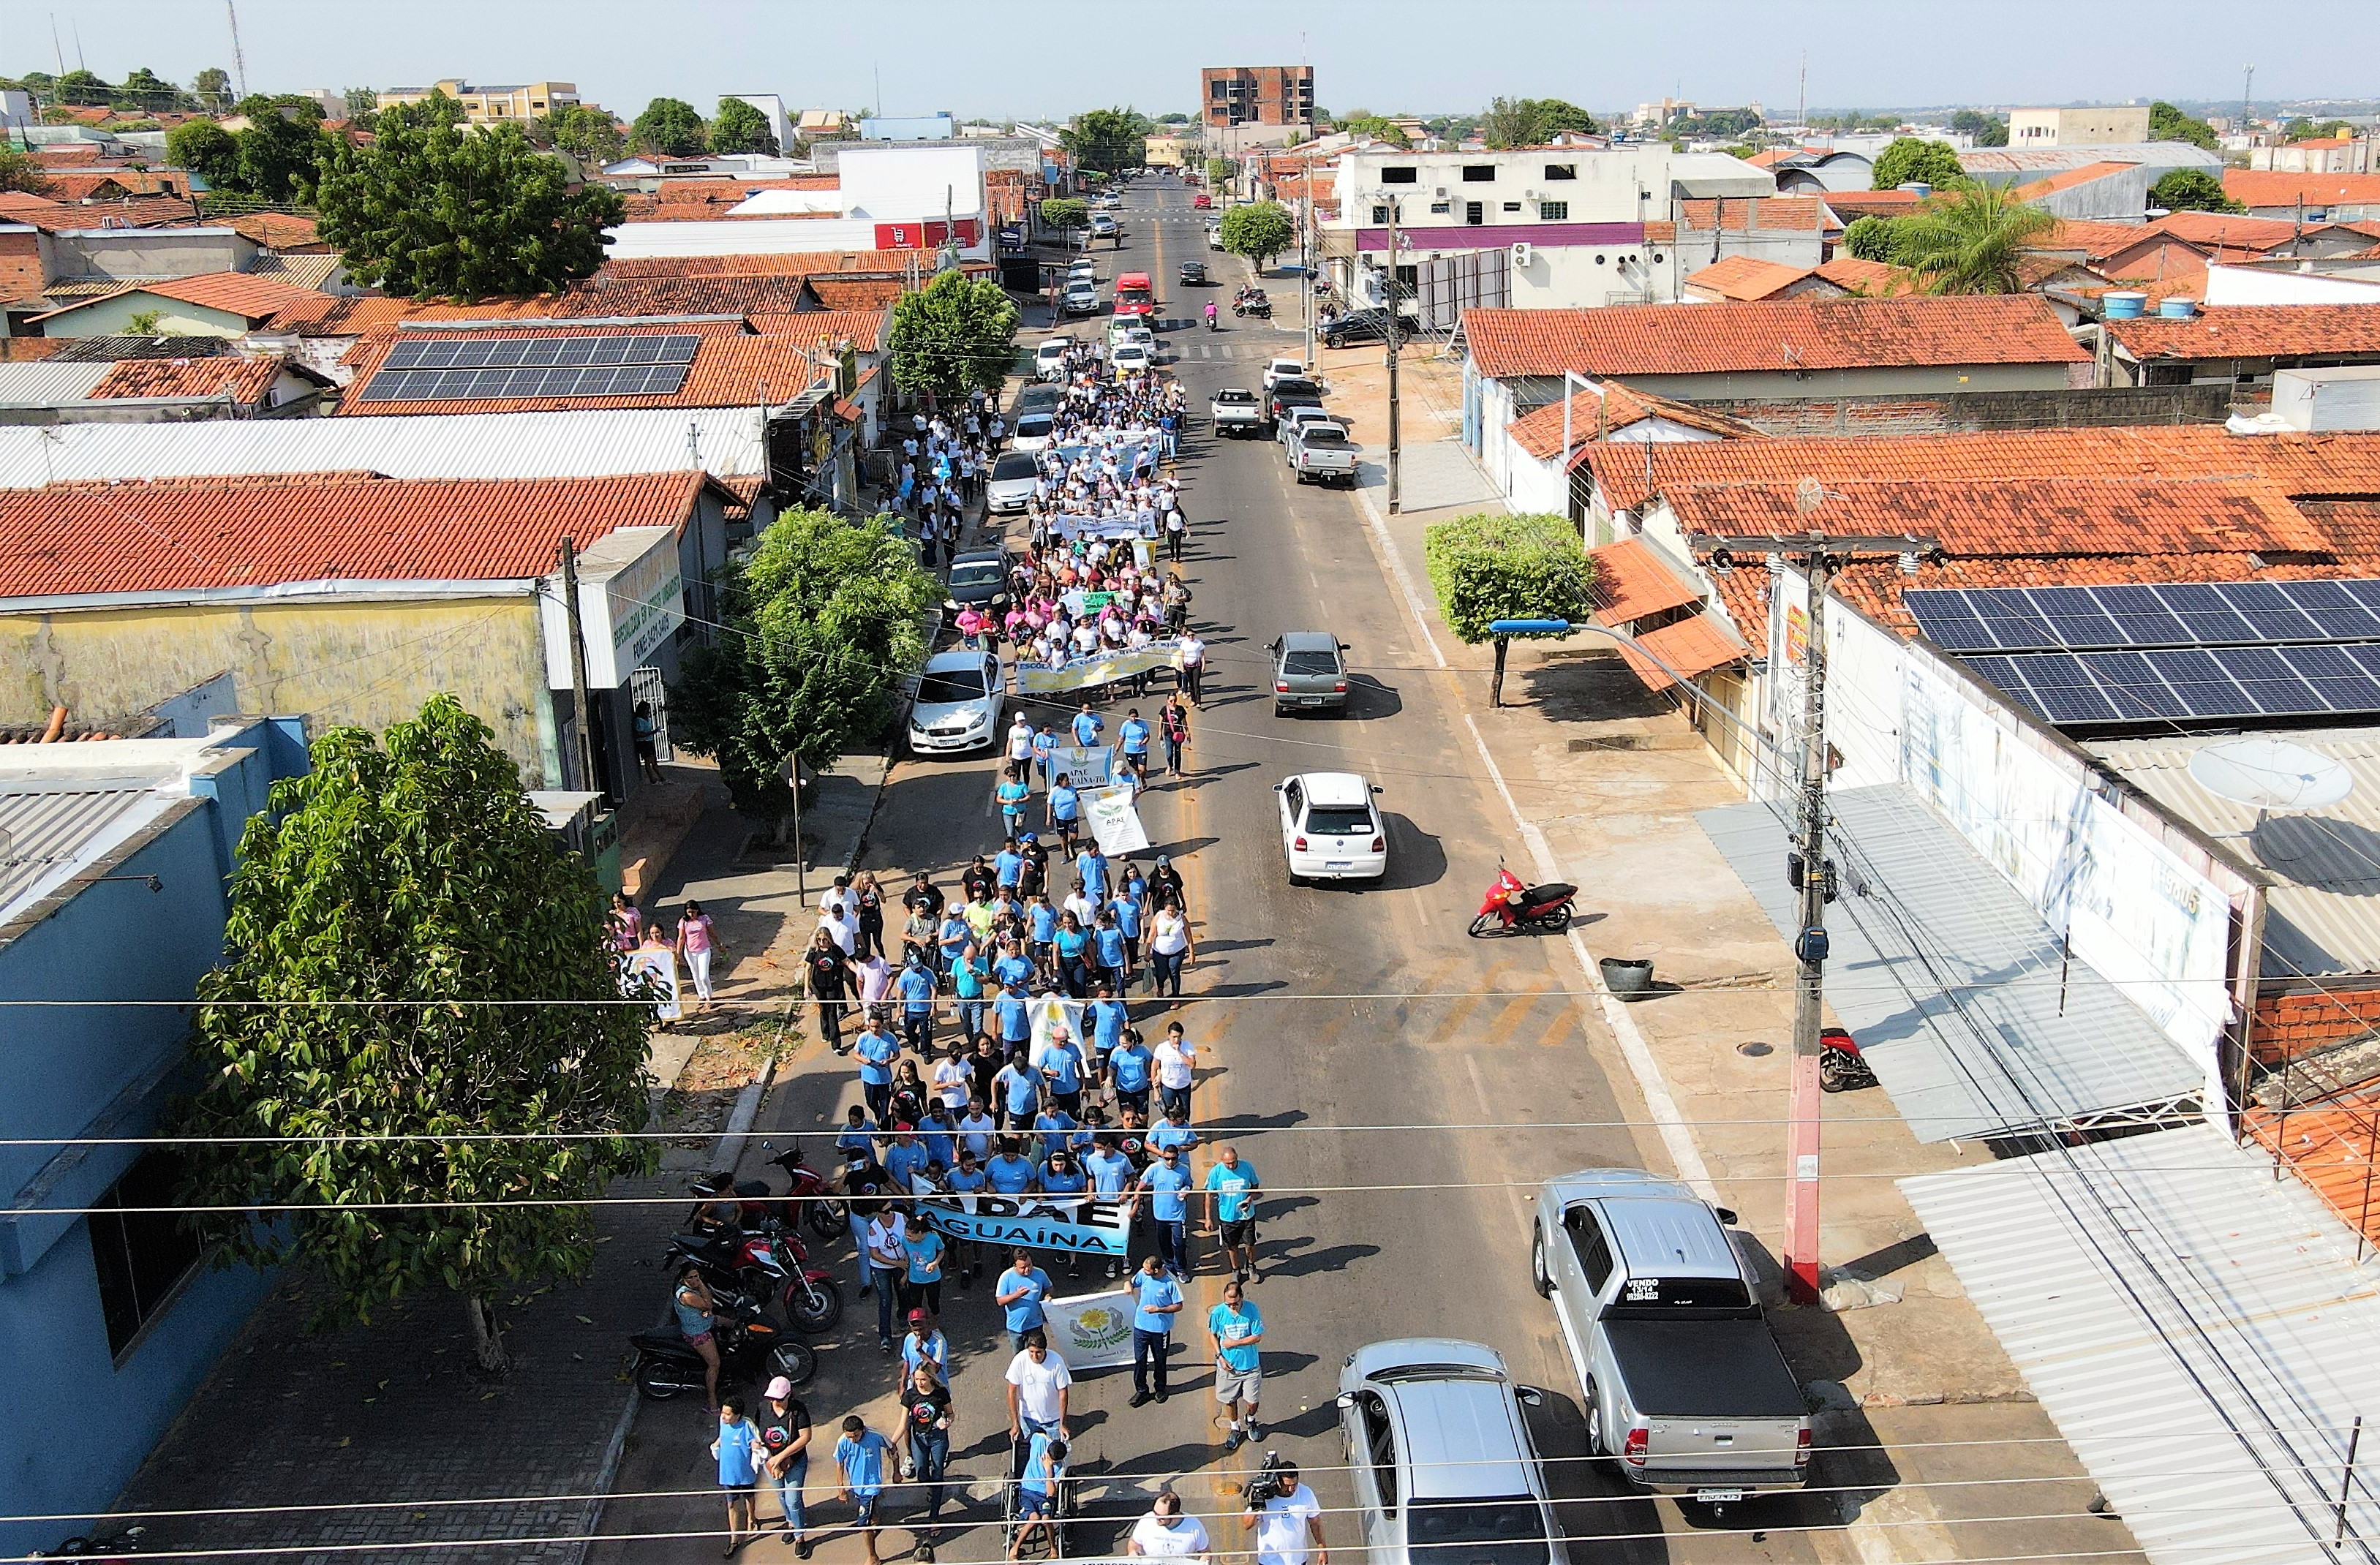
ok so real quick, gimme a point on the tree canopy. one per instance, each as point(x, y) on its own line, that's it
point(1104, 141)
point(740, 128)
point(584, 131)
point(411, 868)
point(1524, 122)
point(1911, 160)
point(1065, 212)
point(824, 623)
point(1362, 122)
point(1971, 243)
point(432, 211)
point(2168, 123)
point(282, 148)
point(1988, 129)
point(1258, 230)
point(955, 334)
point(1488, 568)
point(1871, 237)
point(19, 172)
point(2191, 189)
point(670, 127)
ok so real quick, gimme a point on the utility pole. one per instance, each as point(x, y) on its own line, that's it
point(1388, 301)
point(582, 751)
point(1808, 870)
point(2248, 105)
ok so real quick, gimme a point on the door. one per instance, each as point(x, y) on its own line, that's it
point(645, 688)
point(1292, 810)
point(1376, 1473)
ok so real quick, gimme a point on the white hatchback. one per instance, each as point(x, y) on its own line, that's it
point(1330, 829)
point(1050, 358)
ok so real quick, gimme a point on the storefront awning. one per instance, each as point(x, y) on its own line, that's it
point(1632, 582)
point(1690, 647)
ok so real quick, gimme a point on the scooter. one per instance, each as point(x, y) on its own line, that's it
point(749, 1344)
point(1842, 1066)
point(1513, 905)
point(806, 1189)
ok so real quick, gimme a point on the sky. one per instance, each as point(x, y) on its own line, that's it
point(1046, 59)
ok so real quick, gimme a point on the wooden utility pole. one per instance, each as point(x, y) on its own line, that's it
point(1389, 303)
point(582, 750)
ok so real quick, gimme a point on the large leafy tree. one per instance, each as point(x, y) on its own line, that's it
point(362, 101)
point(824, 623)
point(1362, 122)
point(2191, 189)
point(2168, 123)
point(1258, 230)
point(1064, 212)
point(1524, 122)
point(1971, 243)
point(282, 149)
point(1872, 237)
point(1488, 568)
point(208, 151)
point(430, 210)
point(955, 334)
point(1988, 129)
point(212, 86)
point(669, 125)
point(387, 897)
point(584, 132)
point(740, 128)
point(1910, 160)
point(1103, 140)
point(19, 172)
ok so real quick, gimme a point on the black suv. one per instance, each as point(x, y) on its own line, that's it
point(1291, 390)
point(979, 577)
point(1367, 326)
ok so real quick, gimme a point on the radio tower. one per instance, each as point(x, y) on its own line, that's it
point(239, 61)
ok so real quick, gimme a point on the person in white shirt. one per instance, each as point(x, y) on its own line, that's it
point(1288, 1524)
point(954, 1081)
point(1020, 746)
point(978, 1130)
point(1037, 1390)
point(1165, 1533)
point(1177, 1069)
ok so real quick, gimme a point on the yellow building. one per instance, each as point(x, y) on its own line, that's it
point(483, 105)
point(1173, 152)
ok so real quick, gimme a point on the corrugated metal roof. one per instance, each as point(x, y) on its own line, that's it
point(595, 444)
point(2323, 914)
point(1974, 1034)
point(47, 835)
point(2199, 1330)
point(44, 383)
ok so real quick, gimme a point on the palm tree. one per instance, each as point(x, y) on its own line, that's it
point(1971, 243)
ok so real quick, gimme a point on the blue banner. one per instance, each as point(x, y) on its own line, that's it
point(1083, 1226)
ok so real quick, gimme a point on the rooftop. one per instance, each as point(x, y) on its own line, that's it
point(66, 806)
point(253, 298)
point(2268, 187)
point(1612, 407)
point(1741, 214)
point(244, 379)
point(2254, 331)
point(1742, 278)
point(728, 370)
point(2066, 179)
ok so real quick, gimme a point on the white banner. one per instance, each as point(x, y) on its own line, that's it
point(659, 965)
point(1114, 822)
point(1051, 1012)
point(1093, 1331)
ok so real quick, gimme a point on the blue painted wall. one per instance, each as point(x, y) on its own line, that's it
point(78, 1421)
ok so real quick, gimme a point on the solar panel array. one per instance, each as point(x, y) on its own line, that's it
point(450, 370)
point(2141, 653)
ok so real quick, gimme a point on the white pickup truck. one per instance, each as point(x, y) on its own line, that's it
point(1236, 411)
point(1682, 1382)
point(1319, 452)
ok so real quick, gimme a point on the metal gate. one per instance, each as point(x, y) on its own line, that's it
point(645, 686)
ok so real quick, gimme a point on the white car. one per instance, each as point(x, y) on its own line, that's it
point(1291, 418)
point(1102, 225)
point(1441, 1458)
point(1050, 358)
point(1013, 474)
point(1082, 269)
point(1082, 299)
point(1328, 829)
point(1283, 368)
point(959, 700)
point(1214, 235)
point(1129, 359)
point(1032, 432)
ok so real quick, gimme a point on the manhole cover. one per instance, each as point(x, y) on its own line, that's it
point(1753, 1050)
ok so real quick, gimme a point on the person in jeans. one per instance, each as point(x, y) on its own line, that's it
point(1166, 1182)
point(1157, 1299)
point(785, 1425)
point(925, 1435)
point(1170, 946)
point(1174, 725)
point(888, 1265)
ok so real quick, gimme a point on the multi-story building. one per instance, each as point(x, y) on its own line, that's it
point(1246, 97)
point(483, 104)
point(2099, 125)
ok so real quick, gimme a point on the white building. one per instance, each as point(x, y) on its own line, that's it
point(2098, 126)
point(886, 199)
point(772, 108)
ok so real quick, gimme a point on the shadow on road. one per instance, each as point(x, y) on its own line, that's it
point(1415, 857)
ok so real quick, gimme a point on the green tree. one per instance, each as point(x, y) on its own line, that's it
point(2191, 189)
point(1490, 567)
point(410, 874)
point(212, 86)
point(282, 150)
point(2168, 123)
point(1362, 122)
point(1103, 140)
point(584, 132)
point(670, 127)
point(144, 88)
point(1524, 122)
point(740, 128)
point(1871, 238)
point(955, 334)
point(1909, 160)
point(1259, 230)
point(1972, 243)
point(208, 151)
point(1221, 172)
point(430, 211)
point(1988, 129)
point(823, 621)
point(1065, 212)
point(83, 89)
point(19, 172)
point(362, 101)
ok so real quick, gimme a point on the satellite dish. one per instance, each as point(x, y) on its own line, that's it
point(1808, 495)
point(2271, 774)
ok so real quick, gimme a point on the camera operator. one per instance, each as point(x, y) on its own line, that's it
point(1286, 1516)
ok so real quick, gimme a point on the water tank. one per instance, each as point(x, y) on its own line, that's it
point(2124, 304)
point(1917, 187)
point(2176, 309)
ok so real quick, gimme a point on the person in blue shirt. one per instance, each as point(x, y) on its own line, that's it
point(857, 1141)
point(1104, 1018)
point(921, 1281)
point(905, 1159)
point(1234, 1185)
point(1013, 1009)
point(860, 1454)
point(1157, 1300)
point(1018, 1083)
point(1019, 1293)
point(1107, 944)
point(1132, 740)
point(1055, 1127)
point(968, 976)
point(952, 937)
point(1174, 1131)
point(1062, 1068)
point(1041, 934)
point(1013, 967)
point(925, 1344)
point(1013, 793)
point(1125, 907)
point(1087, 726)
point(939, 1132)
point(915, 987)
point(1111, 1173)
point(967, 1179)
point(1063, 1183)
point(1129, 1066)
point(1237, 1328)
point(1008, 869)
point(1037, 1489)
point(1091, 869)
point(1065, 808)
point(877, 1050)
point(1072, 947)
point(1010, 1172)
point(1166, 1182)
point(739, 1468)
point(1045, 748)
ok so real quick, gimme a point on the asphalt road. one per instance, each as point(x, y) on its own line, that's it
point(1320, 1010)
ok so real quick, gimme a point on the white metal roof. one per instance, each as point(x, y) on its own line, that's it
point(2200, 1331)
point(38, 383)
point(593, 443)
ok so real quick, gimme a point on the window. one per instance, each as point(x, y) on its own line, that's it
point(1512, 206)
point(140, 1256)
point(1400, 173)
point(1295, 794)
point(1220, 90)
point(1381, 1445)
point(1440, 209)
point(1562, 170)
point(1594, 1250)
point(1474, 213)
point(1380, 215)
point(1479, 174)
point(1553, 211)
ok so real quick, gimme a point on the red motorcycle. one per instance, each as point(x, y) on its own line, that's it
point(1513, 905)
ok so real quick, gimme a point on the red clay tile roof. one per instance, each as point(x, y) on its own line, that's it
point(856, 293)
point(2093, 241)
point(1801, 334)
point(2254, 331)
point(67, 152)
point(620, 297)
point(1869, 279)
point(2066, 179)
point(81, 184)
point(1743, 594)
point(2226, 230)
point(728, 371)
point(245, 379)
point(1762, 211)
point(1630, 583)
point(864, 329)
point(165, 537)
point(797, 263)
point(2335, 465)
point(277, 230)
point(2268, 187)
point(1691, 647)
point(1745, 278)
point(2331, 1145)
point(1539, 433)
point(233, 293)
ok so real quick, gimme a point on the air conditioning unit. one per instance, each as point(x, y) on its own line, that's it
point(1441, 193)
point(1521, 253)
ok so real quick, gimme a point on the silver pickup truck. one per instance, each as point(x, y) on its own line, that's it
point(1682, 1381)
point(1319, 452)
point(1236, 411)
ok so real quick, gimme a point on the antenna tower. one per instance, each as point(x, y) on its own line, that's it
point(238, 60)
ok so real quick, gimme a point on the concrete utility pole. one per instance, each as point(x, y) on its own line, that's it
point(1389, 302)
point(582, 751)
point(1808, 870)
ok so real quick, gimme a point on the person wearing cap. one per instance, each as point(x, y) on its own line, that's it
point(1166, 1532)
point(785, 1425)
point(926, 1345)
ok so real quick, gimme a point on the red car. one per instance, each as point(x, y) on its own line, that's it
point(1202, 201)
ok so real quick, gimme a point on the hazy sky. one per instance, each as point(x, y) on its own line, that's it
point(1047, 57)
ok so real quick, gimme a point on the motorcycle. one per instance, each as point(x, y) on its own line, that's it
point(807, 1188)
point(1211, 318)
point(1842, 1066)
point(1254, 304)
point(750, 1345)
point(763, 1261)
point(1513, 905)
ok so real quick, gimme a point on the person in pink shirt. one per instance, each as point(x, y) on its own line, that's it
point(628, 924)
point(696, 940)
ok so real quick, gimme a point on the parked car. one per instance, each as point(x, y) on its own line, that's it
point(1319, 452)
point(978, 577)
point(1680, 1379)
point(1441, 1458)
point(1367, 326)
point(1013, 474)
point(1287, 392)
point(959, 700)
point(1050, 358)
point(1202, 201)
point(1284, 369)
point(1307, 673)
point(1193, 274)
point(1293, 416)
point(1236, 410)
point(1328, 830)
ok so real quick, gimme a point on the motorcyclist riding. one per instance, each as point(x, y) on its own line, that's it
point(1211, 315)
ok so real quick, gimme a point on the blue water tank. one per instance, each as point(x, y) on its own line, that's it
point(1917, 187)
point(2178, 309)
point(2124, 304)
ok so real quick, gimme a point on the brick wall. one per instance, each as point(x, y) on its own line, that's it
point(2288, 1026)
point(20, 266)
point(1965, 412)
